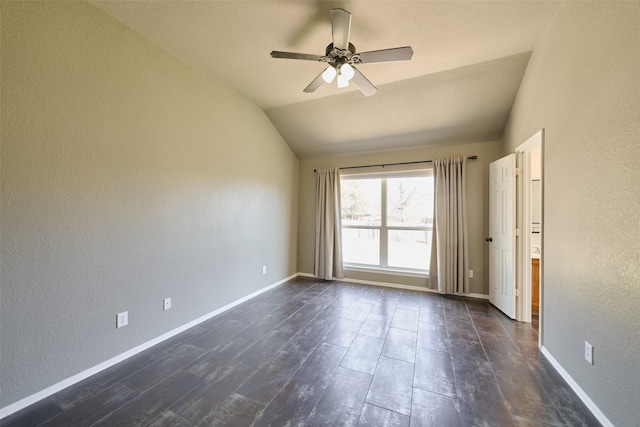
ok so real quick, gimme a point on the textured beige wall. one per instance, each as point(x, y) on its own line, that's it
point(478, 205)
point(583, 87)
point(126, 178)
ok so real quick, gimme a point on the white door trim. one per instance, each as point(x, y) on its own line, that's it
point(523, 279)
point(523, 243)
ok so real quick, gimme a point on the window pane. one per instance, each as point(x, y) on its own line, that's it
point(410, 201)
point(409, 249)
point(361, 246)
point(360, 202)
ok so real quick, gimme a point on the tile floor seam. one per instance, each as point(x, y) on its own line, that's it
point(284, 386)
point(553, 401)
point(386, 409)
point(486, 355)
point(436, 392)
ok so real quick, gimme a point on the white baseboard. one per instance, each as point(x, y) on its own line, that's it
point(472, 295)
point(30, 400)
point(577, 389)
point(397, 286)
point(389, 285)
point(305, 274)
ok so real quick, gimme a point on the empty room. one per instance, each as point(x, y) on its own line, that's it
point(319, 213)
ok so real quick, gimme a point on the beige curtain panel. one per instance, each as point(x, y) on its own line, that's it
point(328, 262)
point(451, 260)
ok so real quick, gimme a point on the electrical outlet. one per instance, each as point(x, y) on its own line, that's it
point(166, 304)
point(264, 269)
point(470, 274)
point(122, 319)
point(588, 352)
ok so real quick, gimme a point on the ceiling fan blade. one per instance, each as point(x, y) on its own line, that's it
point(340, 28)
point(363, 83)
point(293, 55)
point(385, 55)
point(315, 84)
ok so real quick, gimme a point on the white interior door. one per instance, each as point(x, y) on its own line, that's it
point(502, 239)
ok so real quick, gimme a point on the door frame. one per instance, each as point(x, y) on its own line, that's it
point(523, 218)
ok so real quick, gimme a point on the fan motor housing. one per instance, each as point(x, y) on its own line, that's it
point(335, 53)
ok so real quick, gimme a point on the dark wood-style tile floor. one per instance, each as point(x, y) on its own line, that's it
point(318, 353)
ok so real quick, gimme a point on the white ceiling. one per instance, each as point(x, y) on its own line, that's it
point(469, 59)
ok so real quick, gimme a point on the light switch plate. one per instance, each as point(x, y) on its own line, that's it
point(588, 352)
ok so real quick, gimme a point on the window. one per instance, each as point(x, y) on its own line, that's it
point(387, 220)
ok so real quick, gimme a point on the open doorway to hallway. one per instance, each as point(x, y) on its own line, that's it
point(530, 222)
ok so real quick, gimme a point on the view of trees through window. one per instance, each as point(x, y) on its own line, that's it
point(387, 221)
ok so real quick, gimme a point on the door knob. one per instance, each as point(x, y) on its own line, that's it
point(488, 239)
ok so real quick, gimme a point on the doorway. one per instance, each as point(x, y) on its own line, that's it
point(530, 220)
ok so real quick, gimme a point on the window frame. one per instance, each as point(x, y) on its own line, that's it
point(384, 228)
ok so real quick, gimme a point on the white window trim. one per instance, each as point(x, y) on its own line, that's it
point(413, 172)
point(388, 271)
point(383, 268)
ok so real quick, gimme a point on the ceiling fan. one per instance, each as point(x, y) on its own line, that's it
point(341, 55)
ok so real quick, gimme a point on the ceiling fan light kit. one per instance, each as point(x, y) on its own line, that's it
point(329, 74)
point(341, 55)
point(347, 71)
point(342, 81)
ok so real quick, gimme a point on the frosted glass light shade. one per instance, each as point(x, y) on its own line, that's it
point(329, 74)
point(347, 71)
point(342, 81)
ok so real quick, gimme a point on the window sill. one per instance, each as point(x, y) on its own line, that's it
point(388, 271)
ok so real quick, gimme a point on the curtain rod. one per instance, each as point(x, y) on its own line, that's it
point(396, 164)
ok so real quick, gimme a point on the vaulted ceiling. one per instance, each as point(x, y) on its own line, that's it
point(469, 59)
